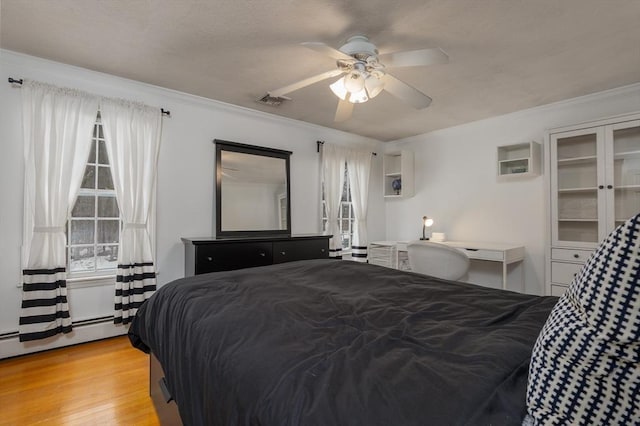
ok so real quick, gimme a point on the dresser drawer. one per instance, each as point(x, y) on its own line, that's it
point(558, 290)
point(483, 254)
point(289, 251)
point(229, 256)
point(572, 255)
point(564, 273)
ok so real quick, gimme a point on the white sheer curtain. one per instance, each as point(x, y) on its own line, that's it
point(57, 126)
point(132, 137)
point(359, 169)
point(333, 163)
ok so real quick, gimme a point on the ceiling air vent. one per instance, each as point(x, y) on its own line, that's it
point(273, 100)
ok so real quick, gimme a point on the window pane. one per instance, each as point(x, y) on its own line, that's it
point(108, 231)
point(82, 259)
point(85, 206)
point(82, 231)
point(100, 134)
point(89, 178)
point(92, 155)
point(104, 178)
point(346, 242)
point(107, 257)
point(345, 225)
point(345, 211)
point(102, 153)
point(108, 207)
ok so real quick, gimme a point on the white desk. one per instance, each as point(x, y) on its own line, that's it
point(493, 252)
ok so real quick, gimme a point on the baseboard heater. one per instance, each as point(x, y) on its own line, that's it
point(89, 321)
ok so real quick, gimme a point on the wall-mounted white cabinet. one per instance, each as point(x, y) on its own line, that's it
point(398, 174)
point(522, 160)
point(594, 187)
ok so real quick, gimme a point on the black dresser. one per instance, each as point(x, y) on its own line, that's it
point(203, 255)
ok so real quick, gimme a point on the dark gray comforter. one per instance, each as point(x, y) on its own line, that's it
point(325, 342)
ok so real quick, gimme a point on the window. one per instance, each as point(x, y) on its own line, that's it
point(346, 217)
point(93, 226)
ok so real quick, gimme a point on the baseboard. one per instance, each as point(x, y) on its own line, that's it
point(82, 333)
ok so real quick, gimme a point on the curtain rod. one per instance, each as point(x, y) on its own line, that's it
point(320, 143)
point(20, 81)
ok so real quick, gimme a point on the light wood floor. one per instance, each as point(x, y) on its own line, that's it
point(97, 383)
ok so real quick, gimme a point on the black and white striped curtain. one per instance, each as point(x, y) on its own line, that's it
point(359, 169)
point(57, 125)
point(132, 138)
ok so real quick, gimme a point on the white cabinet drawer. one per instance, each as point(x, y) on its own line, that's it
point(558, 290)
point(483, 254)
point(563, 273)
point(572, 255)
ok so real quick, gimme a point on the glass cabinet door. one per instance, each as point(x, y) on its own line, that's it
point(575, 179)
point(624, 150)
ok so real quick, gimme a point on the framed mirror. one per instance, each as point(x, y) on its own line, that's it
point(252, 190)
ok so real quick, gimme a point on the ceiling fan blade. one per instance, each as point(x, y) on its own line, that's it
point(414, 58)
point(345, 108)
point(406, 93)
point(303, 83)
point(326, 50)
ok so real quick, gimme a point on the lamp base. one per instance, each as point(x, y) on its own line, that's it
point(427, 239)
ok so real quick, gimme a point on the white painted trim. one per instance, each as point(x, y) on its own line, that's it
point(11, 347)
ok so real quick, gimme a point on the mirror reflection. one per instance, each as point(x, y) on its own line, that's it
point(253, 192)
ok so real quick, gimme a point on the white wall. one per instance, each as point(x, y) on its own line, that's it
point(456, 182)
point(185, 180)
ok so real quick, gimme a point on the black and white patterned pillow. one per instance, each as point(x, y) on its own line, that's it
point(585, 366)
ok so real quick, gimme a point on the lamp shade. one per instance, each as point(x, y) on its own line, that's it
point(354, 81)
point(339, 89)
point(359, 97)
point(427, 221)
point(374, 86)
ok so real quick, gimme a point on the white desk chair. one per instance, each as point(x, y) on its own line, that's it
point(437, 260)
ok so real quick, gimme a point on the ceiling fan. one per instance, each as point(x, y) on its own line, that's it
point(365, 74)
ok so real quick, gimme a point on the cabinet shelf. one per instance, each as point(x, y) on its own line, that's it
point(578, 220)
point(627, 154)
point(397, 167)
point(575, 190)
point(521, 160)
point(577, 160)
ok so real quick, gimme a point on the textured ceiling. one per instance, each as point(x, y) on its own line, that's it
point(506, 55)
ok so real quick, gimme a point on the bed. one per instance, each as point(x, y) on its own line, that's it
point(325, 342)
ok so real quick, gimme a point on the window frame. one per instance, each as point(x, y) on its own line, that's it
point(345, 200)
point(96, 276)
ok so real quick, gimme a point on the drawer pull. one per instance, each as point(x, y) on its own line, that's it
point(263, 254)
point(576, 255)
point(209, 258)
point(282, 253)
point(468, 249)
point(321, 250)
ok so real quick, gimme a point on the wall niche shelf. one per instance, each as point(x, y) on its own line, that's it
point(398, 166)
point(521, 160)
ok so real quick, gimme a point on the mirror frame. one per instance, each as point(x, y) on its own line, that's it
point(222, 145)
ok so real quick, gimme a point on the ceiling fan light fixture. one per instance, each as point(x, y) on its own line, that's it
point(338, 88)
point(374, 86)
point(359, 97)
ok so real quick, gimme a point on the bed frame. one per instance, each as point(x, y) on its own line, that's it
point(165, 406)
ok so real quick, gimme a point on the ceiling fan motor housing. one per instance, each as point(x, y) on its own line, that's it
point(359, 47)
